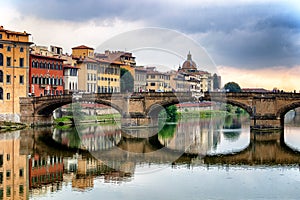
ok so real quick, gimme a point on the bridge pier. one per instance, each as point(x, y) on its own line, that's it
point(266, 122)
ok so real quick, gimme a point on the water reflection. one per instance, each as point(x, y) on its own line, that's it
point(51, 160)
point(207, 136)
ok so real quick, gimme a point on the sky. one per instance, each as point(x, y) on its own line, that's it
point(255, 43)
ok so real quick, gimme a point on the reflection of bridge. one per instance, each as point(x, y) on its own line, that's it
point(263, 149)
point(266, 110)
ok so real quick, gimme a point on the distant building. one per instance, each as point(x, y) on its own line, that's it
point(70, 78)
point(157, 81)
point(199, 81)
point(259, 90)
point(140, 79)
point(96, 74)
point(14, 64)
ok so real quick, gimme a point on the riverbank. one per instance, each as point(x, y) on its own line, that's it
point(11, 126)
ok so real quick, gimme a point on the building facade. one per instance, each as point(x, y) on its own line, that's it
point(198, 81)
point(96, 74)
point(14, 64)
point(46, 75)
point(157, 81)
point(140, 79)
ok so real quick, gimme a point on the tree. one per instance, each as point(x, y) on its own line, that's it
point(232, 87)
point(127, 81)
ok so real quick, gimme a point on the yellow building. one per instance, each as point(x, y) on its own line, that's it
point(157, 81)
point(14, 66)
point(96, 74)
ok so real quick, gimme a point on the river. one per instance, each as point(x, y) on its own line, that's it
point(216, 158)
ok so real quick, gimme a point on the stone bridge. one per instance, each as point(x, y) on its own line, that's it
point(266, 110)
point(142, 108)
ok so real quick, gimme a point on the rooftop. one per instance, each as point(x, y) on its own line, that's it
point(83, 47)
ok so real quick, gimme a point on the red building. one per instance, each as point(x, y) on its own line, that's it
point(45, 170)
point(45, 75)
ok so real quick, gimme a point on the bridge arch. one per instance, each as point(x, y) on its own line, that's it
point(283, 110)
point(47, 109)
point(154, 109)
point(247, 108)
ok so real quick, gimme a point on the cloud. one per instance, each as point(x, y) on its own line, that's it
point(246, 34)
point(280, 77)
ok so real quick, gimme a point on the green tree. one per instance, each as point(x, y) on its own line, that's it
point(232, 87)
point(171, 113)
point(127, 81)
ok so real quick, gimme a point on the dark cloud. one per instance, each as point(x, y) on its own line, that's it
point(251, 35)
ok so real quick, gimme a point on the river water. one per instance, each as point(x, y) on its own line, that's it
point(194, 159)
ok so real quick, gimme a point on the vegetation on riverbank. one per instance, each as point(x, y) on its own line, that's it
point(105, 118)
point(11, 126)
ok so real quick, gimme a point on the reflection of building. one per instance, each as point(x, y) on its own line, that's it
point(13, 167)
point(194, 136)
point(14, 62)
point(96, 138)
point(45, 170)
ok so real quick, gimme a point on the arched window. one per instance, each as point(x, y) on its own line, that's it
point(73, 86)
point(33, 80)
point(1, 93)
point(1, 59)
point(1, 76)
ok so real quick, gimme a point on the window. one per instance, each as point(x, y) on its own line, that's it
point(1, 76)
point(21, 49)
point(152, 84)
point(21, 79)
point(1, 177)
point(8, 48)
point(8, 156)
point(7, 174)
point(1, 98)
point(0, 36)
point(21, 62)
point(8, 61)
point(8, 192)
point(1, 59)
point(21, 189)
point(8, 79)
point(21, 172)
point(1, 46)
point(8, 98)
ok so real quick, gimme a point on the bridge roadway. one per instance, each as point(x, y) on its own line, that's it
point(266, 110)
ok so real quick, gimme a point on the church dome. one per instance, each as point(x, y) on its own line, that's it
point(189, 64)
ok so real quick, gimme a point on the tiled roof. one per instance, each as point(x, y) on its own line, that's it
point(83, 47)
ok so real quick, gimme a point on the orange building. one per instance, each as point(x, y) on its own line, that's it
point(46, 75)
point(14, 64)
